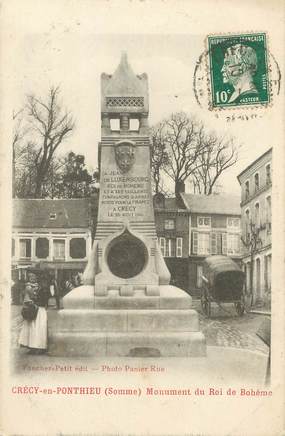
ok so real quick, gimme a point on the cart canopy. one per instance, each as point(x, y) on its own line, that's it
point(223, 277)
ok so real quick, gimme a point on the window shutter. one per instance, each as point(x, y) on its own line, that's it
point(224, 243)
point(238, 245)
point(179, 247)
point(213, 243)
point(162, 246)
point(195, 242)
point(171, 247)
point(219, 243)
point(207, 242)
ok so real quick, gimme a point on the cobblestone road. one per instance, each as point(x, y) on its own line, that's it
point(226, 329)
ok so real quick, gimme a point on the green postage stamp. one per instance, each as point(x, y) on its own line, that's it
point(238, 70)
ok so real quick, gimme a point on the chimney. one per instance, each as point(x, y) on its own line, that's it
point(179, 187)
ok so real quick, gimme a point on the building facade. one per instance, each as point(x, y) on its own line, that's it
point(172, 227)
point(51, 235)
point(56, 235)
point(192, 227)
point(214, 228)
point(256, 186)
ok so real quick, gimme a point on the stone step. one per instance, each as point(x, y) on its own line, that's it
point(72, 320)
point(134, 344)
point(170, 298)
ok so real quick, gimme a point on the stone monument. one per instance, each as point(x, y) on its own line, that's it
point(126, 306)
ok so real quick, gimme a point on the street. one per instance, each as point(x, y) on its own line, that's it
point(226, 329)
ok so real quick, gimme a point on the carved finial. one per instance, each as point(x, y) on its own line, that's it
point(124, 64)
point(124, 57)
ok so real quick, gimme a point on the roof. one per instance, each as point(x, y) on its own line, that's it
point(254, 162)
point(171, 203)
point(222, 204)
point(31, 213)
point(124, 81)
point(168, 204)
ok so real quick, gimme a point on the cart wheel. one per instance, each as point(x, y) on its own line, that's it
point(240, 308)
point(206, 304)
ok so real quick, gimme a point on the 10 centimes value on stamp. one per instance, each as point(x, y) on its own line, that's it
point(236, 71)
point(238, 67)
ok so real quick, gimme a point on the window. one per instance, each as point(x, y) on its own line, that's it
point(267, 273)
point(268, 212)
point(115, 124)
point(204, 222)
point(134, 124)
point(13, 247)
point(247, 223)
point(25, 248)
point(162, 246)
point(256, 182)
point(59, 249)
point(42, 248)
point(194, 242)
point(52, 216)
point(201, 243)
point(233, 223)
point(170, 248)
point(246, 189)
point(233, 244)
point(204, 243)
point(224, 243)
point(169, 224)
point(77, 248)
point(179, 242)
point(214, 247)
point(268, 174)
point(257, 214)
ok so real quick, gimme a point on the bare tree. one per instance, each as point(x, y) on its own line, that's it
point(184, 150)
point(159, 158)
point(24, 170)
point(217, 156)
point(18, 150)
point(51, 126)
point(252, 243)
point(181, 138)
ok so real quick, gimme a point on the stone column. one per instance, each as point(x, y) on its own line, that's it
point(50, 256)
point(17, 247)
point(144, 124)
point(105, 124)
point(33, 248)
point(67, 245)
point(124, 123)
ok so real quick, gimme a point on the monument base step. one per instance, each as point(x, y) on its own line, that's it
point(132, 344)
point(81, 320)
point(170, 297)
point(116, 325)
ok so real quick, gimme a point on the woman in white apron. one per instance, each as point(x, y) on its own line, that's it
point(34, 333)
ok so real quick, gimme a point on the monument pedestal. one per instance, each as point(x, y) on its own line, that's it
point(115, 325)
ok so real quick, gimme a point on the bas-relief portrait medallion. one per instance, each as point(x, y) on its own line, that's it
point(125, 155)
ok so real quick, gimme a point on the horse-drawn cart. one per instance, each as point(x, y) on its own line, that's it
point(223, 282)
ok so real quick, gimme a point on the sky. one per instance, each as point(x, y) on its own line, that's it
point(75, 60)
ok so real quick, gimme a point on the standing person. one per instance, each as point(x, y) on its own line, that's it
point(54, 290)
point(33, 334)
